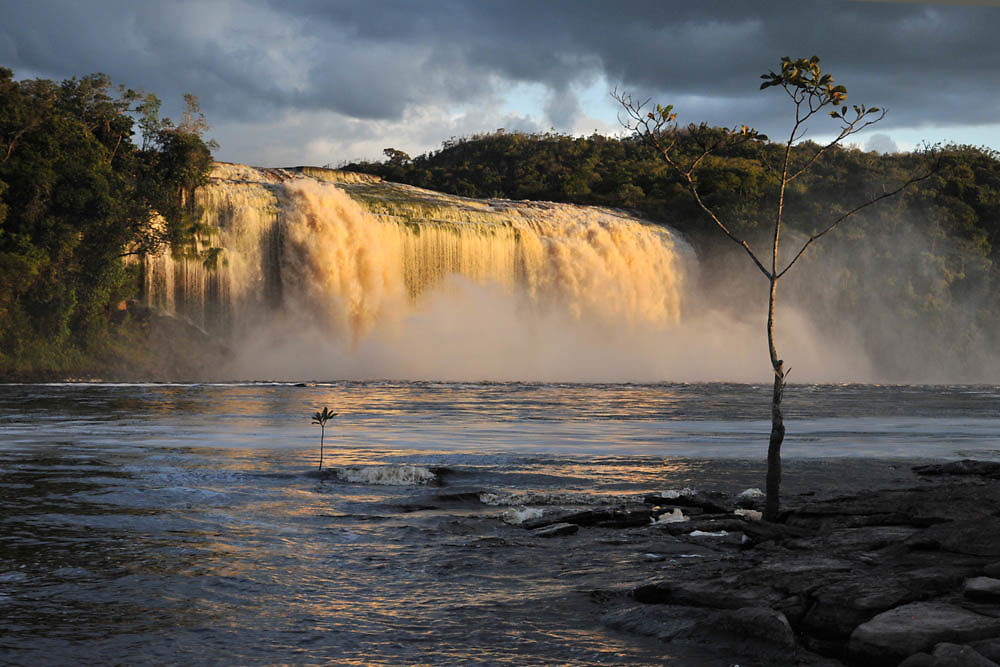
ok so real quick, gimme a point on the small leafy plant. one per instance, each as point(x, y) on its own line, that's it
point(321, 418)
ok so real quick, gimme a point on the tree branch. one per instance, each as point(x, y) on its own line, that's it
point(650, 127)
point(13, 142)
point(828, 228)
point(845, 132)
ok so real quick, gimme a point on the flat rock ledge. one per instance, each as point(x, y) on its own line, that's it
point(892, 577)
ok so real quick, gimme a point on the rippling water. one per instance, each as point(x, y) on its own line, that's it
point(178, 523)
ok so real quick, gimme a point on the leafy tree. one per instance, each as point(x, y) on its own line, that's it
point(810, 91)
point(395, 156)
point(77, 196)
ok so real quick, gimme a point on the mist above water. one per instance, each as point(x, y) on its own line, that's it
point(361, 279)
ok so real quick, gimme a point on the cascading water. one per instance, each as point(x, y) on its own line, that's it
point(340, 260)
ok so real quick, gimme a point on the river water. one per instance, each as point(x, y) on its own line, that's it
point(164, 524)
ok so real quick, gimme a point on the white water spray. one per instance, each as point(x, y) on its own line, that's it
point(332, 275)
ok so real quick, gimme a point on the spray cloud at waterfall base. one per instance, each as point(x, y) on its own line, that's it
point(326, 275)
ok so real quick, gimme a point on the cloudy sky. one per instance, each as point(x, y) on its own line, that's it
point(322, 81)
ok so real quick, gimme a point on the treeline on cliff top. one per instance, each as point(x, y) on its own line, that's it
point(80, 190)
point(925, 264)
point(963, 197)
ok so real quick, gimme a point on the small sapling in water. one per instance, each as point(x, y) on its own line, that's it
point(321, 418)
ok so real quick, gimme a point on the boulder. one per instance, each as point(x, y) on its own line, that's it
point(918, 626)
point(838, 608)
point(956, 655)
point(983, 589)
point(707, 524)
point(751, 499)
point(665, 622)
point(718, 593)
point(714, 503)
point(988, 648)
point(755, 623)
point(918, 660)
point(974, 537)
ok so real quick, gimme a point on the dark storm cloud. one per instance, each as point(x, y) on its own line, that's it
point(254, 60)
point(931, 63)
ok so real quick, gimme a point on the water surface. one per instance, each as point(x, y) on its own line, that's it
point(152, 523)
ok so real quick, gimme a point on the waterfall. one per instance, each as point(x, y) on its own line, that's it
point(351, 259)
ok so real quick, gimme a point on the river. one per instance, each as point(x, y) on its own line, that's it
point(179, 523)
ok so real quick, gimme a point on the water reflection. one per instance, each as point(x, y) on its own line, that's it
point(167, 523)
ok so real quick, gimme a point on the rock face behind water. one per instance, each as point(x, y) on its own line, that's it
point(878, 578)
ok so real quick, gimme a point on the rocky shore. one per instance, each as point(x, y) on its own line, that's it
point(907, 576)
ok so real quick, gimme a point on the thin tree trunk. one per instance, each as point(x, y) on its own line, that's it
point(322, 433)
point(773, 485)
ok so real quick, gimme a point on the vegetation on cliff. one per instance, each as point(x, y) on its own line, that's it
point(926, 263)
point(78, 198)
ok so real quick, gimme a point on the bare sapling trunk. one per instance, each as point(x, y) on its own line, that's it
point(774, 447)
point(322, 434)
point(773, 483)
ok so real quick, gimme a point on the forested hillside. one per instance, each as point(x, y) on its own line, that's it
point(915, 277)
point(78, 197)
point(91, 178)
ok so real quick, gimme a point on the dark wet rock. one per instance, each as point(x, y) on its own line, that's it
point(705, 524)
point(627, 519)
point(665, 622)
point(757, 623)
point(718, 593)
point(409, 508)
point(869, 579)
point(984, 589)
point(957, 655)
point(751, 499)
point(847, 600)
point(759, 532)
point(716, 503)
point(974, 537)
point(605, 518)
point(797, 572)
point(838, 608)
point(918, 660)
point(756, 531)
point(896, 634)
point(751, 631)
point(546, 520)
point(919, 507)
point(988, 648)
point(555, 530)
point(457, 496)
point(963, 467)
point(863, 539)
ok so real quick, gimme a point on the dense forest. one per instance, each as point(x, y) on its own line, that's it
point(79, 198)
point(916, 276)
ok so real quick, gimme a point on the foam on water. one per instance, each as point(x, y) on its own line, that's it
point(386, 475)
point(529, 498)
point(519, 515)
